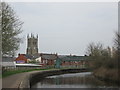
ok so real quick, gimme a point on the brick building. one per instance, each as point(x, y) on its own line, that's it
point(48, 59)
point(72, 61)
point(21, 58)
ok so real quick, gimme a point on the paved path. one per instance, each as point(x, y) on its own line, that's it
point(15, 80)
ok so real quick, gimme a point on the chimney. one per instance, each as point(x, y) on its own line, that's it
point(19, 54)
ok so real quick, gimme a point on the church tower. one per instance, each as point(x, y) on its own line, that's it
point(32, 45)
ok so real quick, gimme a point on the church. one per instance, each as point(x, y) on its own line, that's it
point(33, 56)
point(32, 45)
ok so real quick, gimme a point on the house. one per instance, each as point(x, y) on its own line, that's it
point(38, 60)
point(73, 61)
point(48, 59)
point(21, 58)
point(25, 58)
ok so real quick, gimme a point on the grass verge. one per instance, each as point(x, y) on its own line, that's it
point(8, 73)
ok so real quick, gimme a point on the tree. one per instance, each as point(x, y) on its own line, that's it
point(117, 40)
point(94, 52)
point(0, 33)
point(94, 49)
point(104, 62)
point(117, 44)
point(101, 57)
point(11, 28)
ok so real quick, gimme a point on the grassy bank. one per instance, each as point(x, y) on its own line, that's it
point(0, 75)
point(109, 75)
point(8, 73)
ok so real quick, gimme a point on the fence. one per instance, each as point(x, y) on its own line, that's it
point(11, 68)
point(5, 69)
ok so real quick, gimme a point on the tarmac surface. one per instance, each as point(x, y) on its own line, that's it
point(14, 81)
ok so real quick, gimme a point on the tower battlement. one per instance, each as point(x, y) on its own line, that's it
point(32, 44)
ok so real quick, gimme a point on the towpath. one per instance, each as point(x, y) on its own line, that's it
point(15, 80)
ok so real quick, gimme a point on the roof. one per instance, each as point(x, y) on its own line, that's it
point(30, 56)
point(49, 56)
point(72, 58)
point(8, 59)
point(21, 57)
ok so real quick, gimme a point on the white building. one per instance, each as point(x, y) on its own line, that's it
point(8, 62)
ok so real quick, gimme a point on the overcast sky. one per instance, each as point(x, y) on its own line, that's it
point(66, 28)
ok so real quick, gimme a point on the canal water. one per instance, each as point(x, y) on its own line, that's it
point(74, 80)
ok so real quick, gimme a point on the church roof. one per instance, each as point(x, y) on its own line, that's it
point(31, 56)
point(28, 56)
point(49, 56)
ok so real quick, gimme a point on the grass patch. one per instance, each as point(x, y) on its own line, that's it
point(0, 75)
point(8, 73)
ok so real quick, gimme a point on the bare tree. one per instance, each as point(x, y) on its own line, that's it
point(117, 41)
point(11, 28)
point(94, 49)
point(103, 63)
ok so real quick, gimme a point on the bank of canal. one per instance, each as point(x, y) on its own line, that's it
point(72, 80)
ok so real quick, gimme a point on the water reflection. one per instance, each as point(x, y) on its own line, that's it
point(76, 80)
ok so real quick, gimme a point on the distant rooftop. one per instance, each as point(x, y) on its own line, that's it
point(48, 56)
point(8, 59)
point(72, 57)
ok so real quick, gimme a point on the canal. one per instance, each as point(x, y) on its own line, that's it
point(74, 80)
